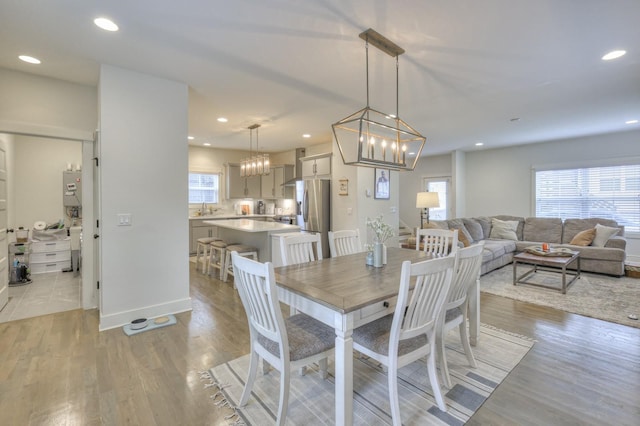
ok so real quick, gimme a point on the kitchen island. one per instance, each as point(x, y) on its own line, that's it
point(251, 232)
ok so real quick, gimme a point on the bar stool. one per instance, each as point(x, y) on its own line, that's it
point(243, 250)
point(202, 251)
point(217, 250)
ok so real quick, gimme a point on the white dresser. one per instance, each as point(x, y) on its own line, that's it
point(50, 256)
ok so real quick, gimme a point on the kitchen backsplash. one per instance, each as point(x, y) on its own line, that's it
point(231, 207)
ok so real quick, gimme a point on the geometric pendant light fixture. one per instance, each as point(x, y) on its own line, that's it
point(371, 138)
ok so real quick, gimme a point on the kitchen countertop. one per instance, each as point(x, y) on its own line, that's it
point(230, 216)
point(248, 225)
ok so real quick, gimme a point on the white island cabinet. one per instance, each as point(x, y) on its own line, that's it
point(252, 232)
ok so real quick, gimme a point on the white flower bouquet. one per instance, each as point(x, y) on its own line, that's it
point(382, 231)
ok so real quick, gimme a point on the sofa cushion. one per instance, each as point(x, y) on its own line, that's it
point(584, 238)
point(603, 233)
point(493, 249)
point(504, 229)
point(485, 222)
point(474, 228)
point(518, 219)
point(543, 229)
point(573, 226)
point(459, 225)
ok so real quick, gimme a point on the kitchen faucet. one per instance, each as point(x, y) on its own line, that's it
point(203, 209)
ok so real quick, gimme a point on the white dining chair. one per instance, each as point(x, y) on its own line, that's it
point(442, 242)
point(467, 271)
point(283, 343)
point(302, 248)
point(409, 334)
point(344, 242)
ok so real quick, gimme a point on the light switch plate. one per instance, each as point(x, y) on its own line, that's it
point(124, 219)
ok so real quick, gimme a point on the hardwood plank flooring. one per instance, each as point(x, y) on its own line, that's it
point(58, 369)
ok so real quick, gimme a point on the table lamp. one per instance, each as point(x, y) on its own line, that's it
point(424, 201)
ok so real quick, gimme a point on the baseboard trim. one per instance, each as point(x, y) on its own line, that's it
point(119, 319)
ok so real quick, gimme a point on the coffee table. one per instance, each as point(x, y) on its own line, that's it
point(547, 263)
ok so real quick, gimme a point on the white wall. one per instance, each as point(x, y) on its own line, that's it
point(411, 184)
point(38, 165)
point(143, 172)
point(45, 106)
point(8, 141)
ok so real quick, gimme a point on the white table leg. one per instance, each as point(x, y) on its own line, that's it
point(474, 313)
point(344, 377)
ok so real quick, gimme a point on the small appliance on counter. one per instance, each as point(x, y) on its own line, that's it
point(261, 208)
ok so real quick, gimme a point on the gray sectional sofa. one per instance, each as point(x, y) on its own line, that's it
point(498, 252)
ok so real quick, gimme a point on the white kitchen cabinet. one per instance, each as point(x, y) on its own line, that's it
point(50, 256)
point(198, 229)
point(272, 184)
point(316, 166)
point(241, 187)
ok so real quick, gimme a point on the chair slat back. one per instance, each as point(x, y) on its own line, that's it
point(424, 305)
point(467, 270)
point(344, 242)
point(256, 285)
point(440, 242)
point(301, 248)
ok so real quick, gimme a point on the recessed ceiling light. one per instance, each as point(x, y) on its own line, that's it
point(190, 138)
point(306, 135)
point(106, 24)
point(515, 119)
point(614, 54)
point(412, 153)
point(29, 59)
point(631, 122)
point(206, 144)
point(479, 143)
point(222, 120)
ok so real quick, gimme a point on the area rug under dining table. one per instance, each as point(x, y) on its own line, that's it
point(311, 399)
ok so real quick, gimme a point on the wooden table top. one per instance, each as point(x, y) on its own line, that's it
point(545, 260)
point(346, 283)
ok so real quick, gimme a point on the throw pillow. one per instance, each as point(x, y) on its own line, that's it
point(603, 233)
point(584, 238)
point(474, 228)
point(462, 237)
point(504, 229)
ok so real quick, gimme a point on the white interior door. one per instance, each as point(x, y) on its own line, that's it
point(4, 262)
point(96, 218)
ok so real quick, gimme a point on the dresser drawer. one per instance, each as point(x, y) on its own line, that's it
point(41, 268)
point(48, 246)
point(54, 256)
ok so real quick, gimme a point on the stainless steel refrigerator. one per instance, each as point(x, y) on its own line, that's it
point(313, 197)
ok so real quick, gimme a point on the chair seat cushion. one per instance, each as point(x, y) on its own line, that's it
point(241, 248)
point(219, 243)
point(307, 336)
point(452, 314)
point(375, 336)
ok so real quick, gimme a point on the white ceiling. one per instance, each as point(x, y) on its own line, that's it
point(297, 66)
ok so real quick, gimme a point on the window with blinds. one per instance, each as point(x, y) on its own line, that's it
point(611, 192)
point(204, 188)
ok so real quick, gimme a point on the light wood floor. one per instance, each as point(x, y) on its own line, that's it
point(57, 369)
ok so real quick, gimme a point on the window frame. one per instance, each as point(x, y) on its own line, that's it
point(615, 162)
point(203, 172)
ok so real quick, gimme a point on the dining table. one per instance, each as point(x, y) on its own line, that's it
point(345, 293)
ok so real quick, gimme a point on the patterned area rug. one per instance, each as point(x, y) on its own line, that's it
point(311, 399)
point(592, 295)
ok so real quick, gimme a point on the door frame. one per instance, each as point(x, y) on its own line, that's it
point(89, 291)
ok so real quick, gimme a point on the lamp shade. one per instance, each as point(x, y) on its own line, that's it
point(427, 200)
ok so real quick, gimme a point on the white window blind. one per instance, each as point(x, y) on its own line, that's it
point(611, 192)
point(204, 188)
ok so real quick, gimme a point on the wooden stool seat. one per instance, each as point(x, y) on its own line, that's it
point(202, 251)
point(243, 250)
point(217, 250)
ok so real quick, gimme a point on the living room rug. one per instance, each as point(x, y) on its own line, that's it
point(592, 295)
point(311, 399)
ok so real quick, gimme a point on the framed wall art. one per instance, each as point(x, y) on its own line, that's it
point(381, 182)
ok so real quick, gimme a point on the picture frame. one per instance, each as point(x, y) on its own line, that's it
point(381, 184)
point(343, 186)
